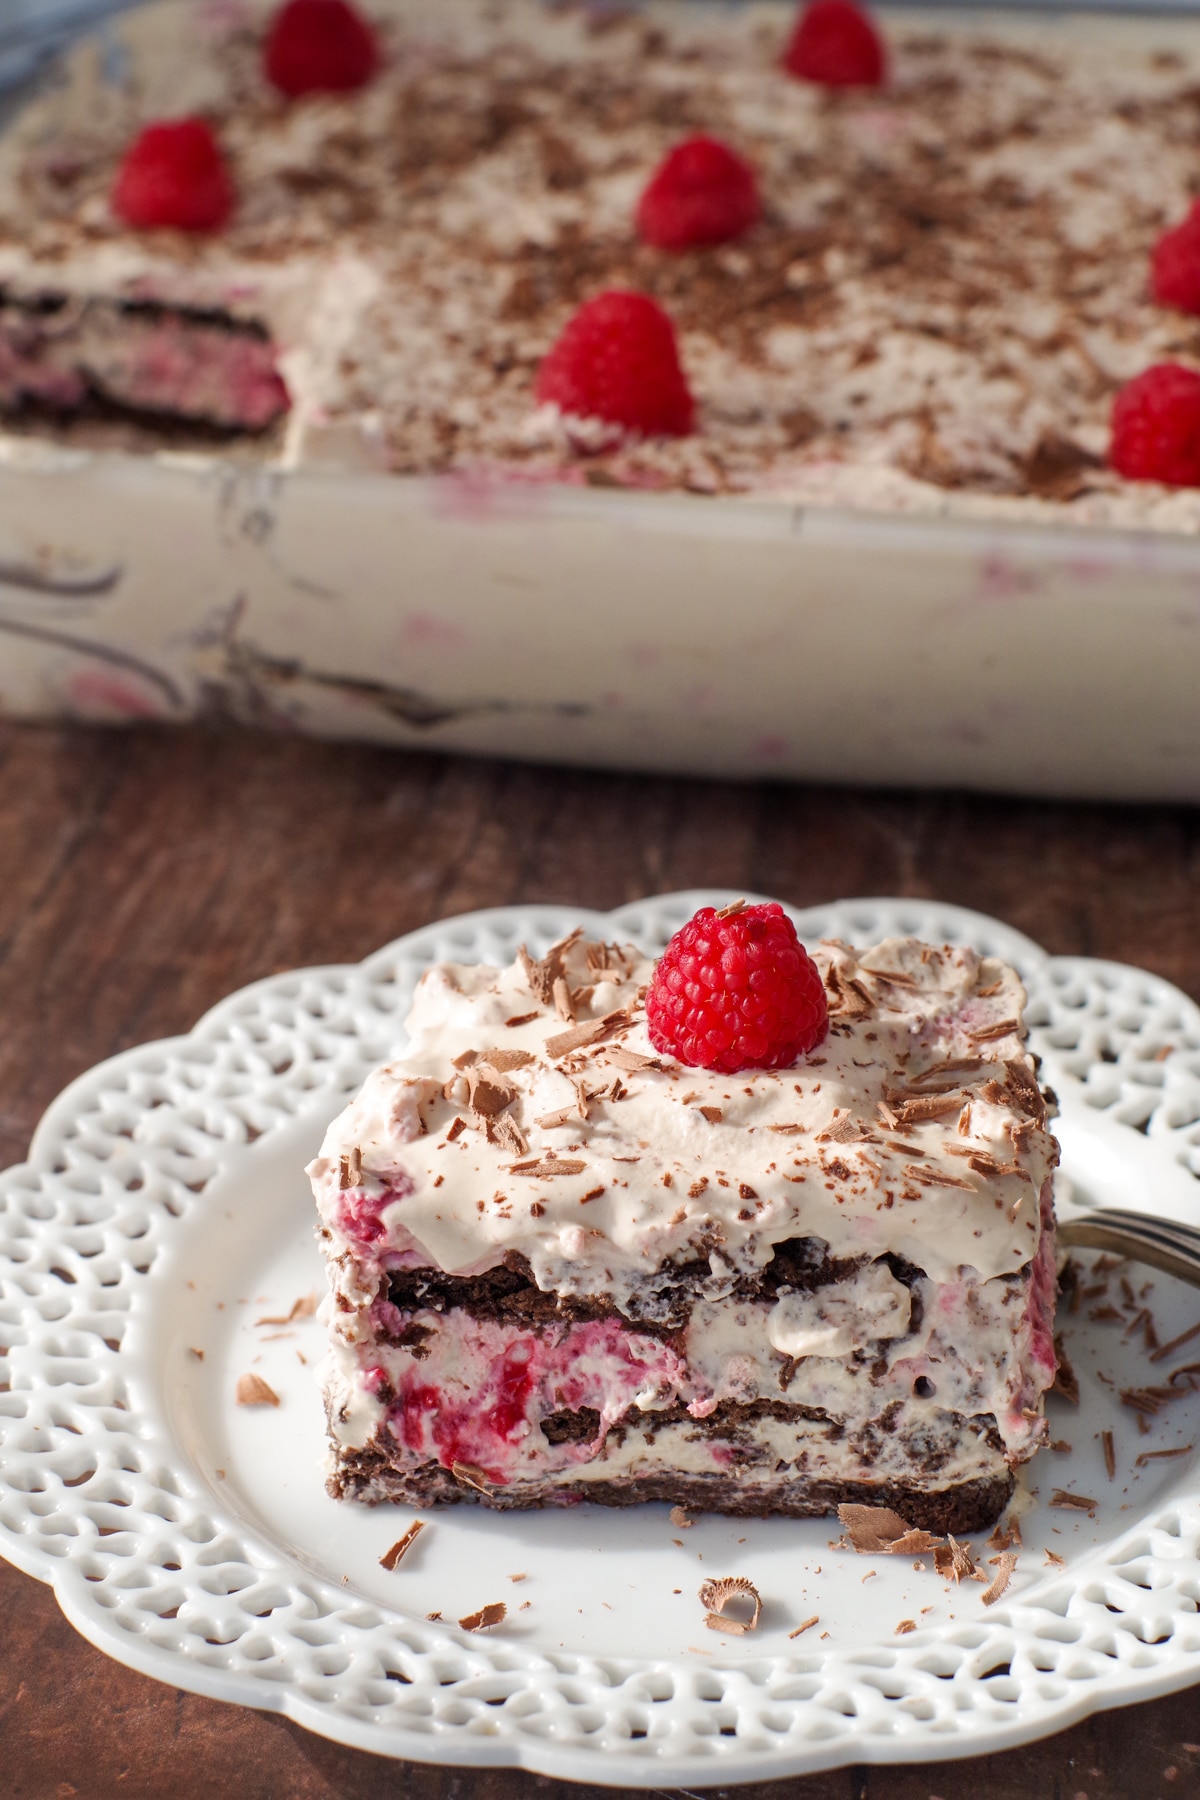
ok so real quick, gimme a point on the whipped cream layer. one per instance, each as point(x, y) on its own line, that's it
point(916, 1128)
point(947, 287)
point(928, 1383)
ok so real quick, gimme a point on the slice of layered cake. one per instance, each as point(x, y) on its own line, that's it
point(742, 1230)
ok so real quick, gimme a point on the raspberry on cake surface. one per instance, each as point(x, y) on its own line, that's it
point(945, 289)
point(566, 1266)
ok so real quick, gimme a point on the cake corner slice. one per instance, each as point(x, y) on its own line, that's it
point(568, 1265)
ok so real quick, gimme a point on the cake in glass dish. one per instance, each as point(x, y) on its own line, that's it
point(927, 290)
point(567, 1264)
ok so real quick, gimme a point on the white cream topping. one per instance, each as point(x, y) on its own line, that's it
point(838, 1318)
point(905, 1131)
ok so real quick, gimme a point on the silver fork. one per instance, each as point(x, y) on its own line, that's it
point(1160, 1242)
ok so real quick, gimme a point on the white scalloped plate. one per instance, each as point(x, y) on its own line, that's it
point(164, 1211)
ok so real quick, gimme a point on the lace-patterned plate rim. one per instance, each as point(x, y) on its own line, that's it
point(104, 1493)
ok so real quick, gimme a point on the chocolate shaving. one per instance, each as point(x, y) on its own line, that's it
point(402, 1546)
point(488, 1092)
point(850, 999)
point(1149, 1456)
point(732, 910)
point(965, 1065)
point(566, 1115)
point(465, 1059)
point(1110, 1455)
point(505, 1132)
point(547, 1166)
point(712, 1113)
point(504, 1060)
point(304, 1308)
point(1149, 1400)
point(985, 1164)
point(1002, 1028)
point(350, 1169)
point(522, 1019)
point(1066, 1382)
point(715, 1596)
point(1058, 468)
point(542, 975)
point(847, 1130)
point(915, 1542)
point(563, 1042)
point(806, 1626)
point(910, 1109)
point(486, 1617)
point(1007, 1561)
point(562, 1001)
point(1053, 1560)
point(905, 1626)
point(1176, 1343)
point(630, 1060)
point(935, 1177)
point(954, 1562)
point(1072, 1502)
point(471, 1476)
point(457, 1126)
point(252, 1390)
point(1023, 1087)
point(680, 1519)
point(873, 1530)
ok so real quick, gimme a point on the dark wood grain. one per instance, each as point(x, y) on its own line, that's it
point(143, 876)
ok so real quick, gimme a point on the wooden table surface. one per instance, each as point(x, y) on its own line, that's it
point(143, 876)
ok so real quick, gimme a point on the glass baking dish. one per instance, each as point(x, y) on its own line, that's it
point(657, 631)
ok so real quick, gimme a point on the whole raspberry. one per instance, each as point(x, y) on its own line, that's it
point(737, 990)
point(1175, 265)
point(836, 44)
point(173, 174)
point(319, 47)
point(1156, 427)
point(617, 361)
point(703, 193)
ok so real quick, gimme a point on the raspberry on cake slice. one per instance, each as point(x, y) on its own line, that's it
point(752, 1230)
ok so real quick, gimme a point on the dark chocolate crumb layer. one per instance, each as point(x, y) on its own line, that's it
point(510, 1293)
point(966, 1507)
